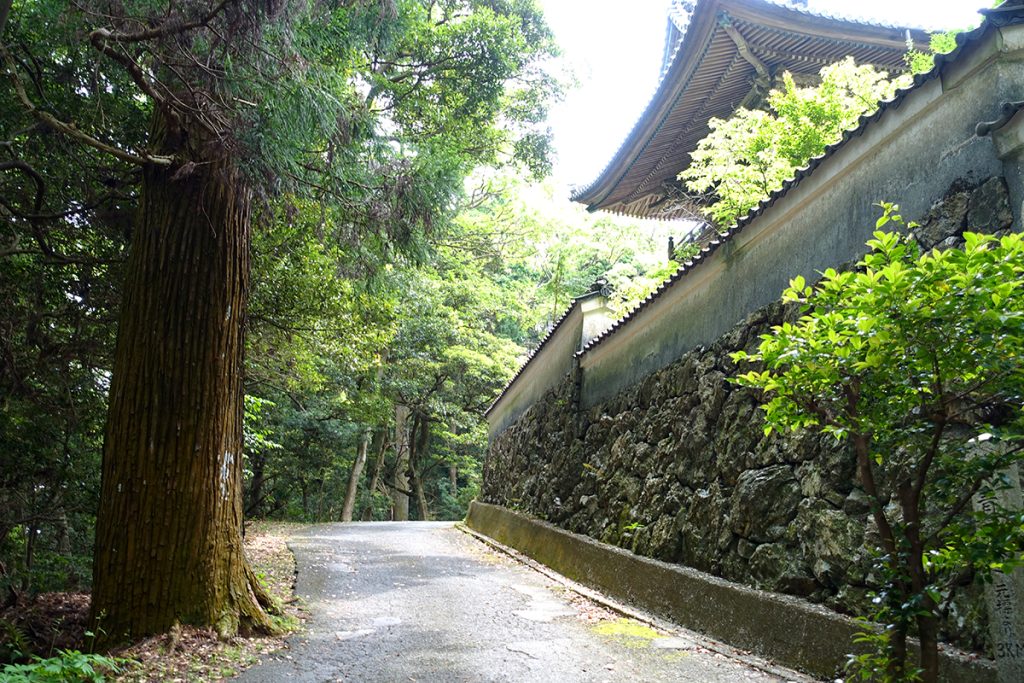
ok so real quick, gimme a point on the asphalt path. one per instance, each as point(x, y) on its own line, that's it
point(424, 601)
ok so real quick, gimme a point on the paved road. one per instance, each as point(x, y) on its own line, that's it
point(426, 602)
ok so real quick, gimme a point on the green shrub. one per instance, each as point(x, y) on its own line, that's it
point(916, 360)
point(69, 666)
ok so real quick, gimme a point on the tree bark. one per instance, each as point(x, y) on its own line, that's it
point(378, 469)
point(168, 530)
point(897, 651)
point(927, 626)
point(928, 634)
point(400, 480)
point(5, 9)
point(416, 453)
point(32, 531)
point(349, 504)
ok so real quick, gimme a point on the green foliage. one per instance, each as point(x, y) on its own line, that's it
point(15, 641)
point(920, 62)
point(874, 662)
point(626, 295)
point(355, 123)
point(633, 283)
point(941, 43)
point(915, 360)
point(746, 157)
point(61, 244)
point(69, 666)
point(456, 65)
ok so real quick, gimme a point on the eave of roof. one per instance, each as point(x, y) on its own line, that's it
point(658, 146)
point(997, 17)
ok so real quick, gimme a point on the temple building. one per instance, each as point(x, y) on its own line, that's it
point(721, 55)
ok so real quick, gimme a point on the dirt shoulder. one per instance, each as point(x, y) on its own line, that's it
point(188, 654)
point(51, 622)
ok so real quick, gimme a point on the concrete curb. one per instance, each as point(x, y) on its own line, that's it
point(792, 632)
point(636, 614)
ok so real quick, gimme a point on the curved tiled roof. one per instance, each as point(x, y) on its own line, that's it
point(709, 75)
point(1001, 16)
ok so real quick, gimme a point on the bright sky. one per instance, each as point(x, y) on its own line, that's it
point(614, 47)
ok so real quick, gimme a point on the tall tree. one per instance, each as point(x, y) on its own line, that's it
point(246, 99)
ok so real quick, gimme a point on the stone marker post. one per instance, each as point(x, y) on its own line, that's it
point(1005, 595)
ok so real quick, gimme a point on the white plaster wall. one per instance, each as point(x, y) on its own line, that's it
point(550, 366)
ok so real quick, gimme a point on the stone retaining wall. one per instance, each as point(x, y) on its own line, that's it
point(678, 468)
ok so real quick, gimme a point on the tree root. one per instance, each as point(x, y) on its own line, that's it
point(265, 599)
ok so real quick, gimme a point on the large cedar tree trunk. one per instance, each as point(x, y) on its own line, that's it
point(168, 531)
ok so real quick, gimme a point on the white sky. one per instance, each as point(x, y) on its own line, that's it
point(614, 47)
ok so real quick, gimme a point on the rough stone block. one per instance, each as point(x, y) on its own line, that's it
point(989, 208)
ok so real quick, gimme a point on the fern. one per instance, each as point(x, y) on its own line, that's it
point(69, 666)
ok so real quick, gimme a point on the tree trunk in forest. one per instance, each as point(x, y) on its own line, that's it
point(32, 532)
point(60, 514)
point(168, 530)
point(400, 480)
point(353, 478)
point(5, 10)
point(378, 470)
point(349, 504)
point(259, 478)
point(416, 452)
point(453, 478)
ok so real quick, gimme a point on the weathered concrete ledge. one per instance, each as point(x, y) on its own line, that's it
point(789, 631)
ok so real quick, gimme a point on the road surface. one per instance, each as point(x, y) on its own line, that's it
point(424, 601)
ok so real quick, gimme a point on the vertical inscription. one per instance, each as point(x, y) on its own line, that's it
point(1005, 596)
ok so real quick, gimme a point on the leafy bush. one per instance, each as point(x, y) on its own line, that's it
point(917, 360)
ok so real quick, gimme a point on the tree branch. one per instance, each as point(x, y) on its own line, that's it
point(69, 129)
point(31, 173)
point(169, 27)
point(940, 417)
point(99, 38)
point(867, 475)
